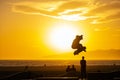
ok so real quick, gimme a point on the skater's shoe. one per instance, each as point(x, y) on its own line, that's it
point(84, 49)
point(76, 52)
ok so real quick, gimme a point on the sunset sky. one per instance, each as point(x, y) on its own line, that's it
point(44, 29)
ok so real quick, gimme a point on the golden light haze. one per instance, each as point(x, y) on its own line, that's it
point(60, 36)
point(44, 29)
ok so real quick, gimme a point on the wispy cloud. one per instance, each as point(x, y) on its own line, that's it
point(96, 11)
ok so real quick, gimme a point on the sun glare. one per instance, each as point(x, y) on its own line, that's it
point(61, 37)
point(72, 17)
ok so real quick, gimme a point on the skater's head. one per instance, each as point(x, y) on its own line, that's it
point(82, 57)
point(79, 37)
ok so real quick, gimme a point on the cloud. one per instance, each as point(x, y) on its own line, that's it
point(56, 10)
point(101, 8)
point(95, 11)
point(71, 5)
point(110, 18)
point(31, 10)
point(106, 12)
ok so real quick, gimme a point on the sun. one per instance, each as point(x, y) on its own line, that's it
point(61, 37)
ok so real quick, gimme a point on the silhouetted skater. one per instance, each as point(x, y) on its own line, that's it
point(77, 45)
point(83, 68)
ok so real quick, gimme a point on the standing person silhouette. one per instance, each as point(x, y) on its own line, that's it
point(83, 68)
point(73, 68)
point(68, 68)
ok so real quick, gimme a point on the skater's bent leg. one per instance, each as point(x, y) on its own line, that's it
point(76, 52)
point(82, 48)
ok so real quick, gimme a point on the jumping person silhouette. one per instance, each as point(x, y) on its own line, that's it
point(77, 45)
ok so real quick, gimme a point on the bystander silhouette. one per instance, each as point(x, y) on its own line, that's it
point(68, 68)
point(73, 68)
point(83, 68)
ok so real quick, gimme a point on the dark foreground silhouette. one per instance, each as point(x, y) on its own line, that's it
point(77, 45)
point(52, 74)
point(78, 72)
point(83, 68)
point(69, 70)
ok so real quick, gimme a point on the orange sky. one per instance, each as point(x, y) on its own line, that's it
point(28, 28)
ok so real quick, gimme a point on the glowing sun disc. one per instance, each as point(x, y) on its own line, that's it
point(61, 37)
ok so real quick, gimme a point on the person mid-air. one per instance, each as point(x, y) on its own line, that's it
point(77, 45)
